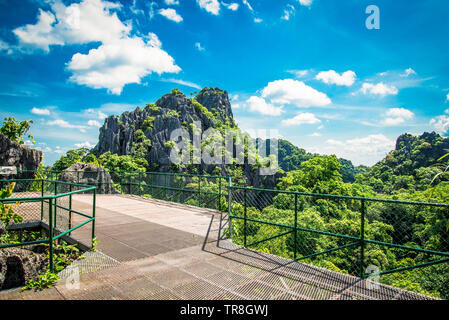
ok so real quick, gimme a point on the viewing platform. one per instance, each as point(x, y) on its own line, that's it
point(154, 249)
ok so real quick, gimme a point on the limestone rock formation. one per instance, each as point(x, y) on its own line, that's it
point(20, 156)
point(210, 108)
point(89, 174)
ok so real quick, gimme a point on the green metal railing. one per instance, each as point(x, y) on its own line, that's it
point(42, 200)
point(250, 209)
point(240, 196)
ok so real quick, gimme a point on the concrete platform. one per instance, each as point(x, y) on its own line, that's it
point(151, 249)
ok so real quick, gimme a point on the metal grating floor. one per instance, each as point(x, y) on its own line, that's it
point(189, 263)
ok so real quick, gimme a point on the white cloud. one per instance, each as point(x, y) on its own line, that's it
point(232, 6)
point(395, 116)
point(79, 23)
point(199, 47)
point(305, 2)
point(447, 97)
point(331, 77)
point(113, 65)
point(211, 6)
point(379, 89)
point(302, 118)
point(408, 72)
point(258, 104)
point(64, 124)
point(288, 11)
point(290, 91)
point(40, 112)
point(246, 3)
point(120, 59)
point(171, 2)
point(86, 144)
point(440, 123)
point(94, 123)
point(364, 150)
point(315, 134)
point(298, 73)
point(257, 20)
point(182, 82)
point(170, 14)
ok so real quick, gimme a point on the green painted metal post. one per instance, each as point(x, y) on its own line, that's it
point(56, 192)
point(229, 206)
point(362, 241)
point(129, 184)
point(99, 178)
point(245, 220)
point(219, 194)
point(296, 226)
point(50, 226)
point(199, 191)
point(93, 214)
point(70, 208)
point(140, 183)
point(165, 187)
point(42, 201)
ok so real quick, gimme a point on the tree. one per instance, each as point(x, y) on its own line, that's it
point(15, 130)
point(70, 158)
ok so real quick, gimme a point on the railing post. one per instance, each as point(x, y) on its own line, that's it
point(70, 208)
point(296, 226)
point(93, 215)
point(140, 183)
point(56, 203)
point(229, 206)
point(199, 191)
point(244, 220)
point(50, 226)
point(362, 240)
point(165, 187)
point(42, 201)
point(129, 184)
point(100, 177)
point(219, 194)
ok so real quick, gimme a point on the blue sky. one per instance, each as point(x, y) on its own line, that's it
point(307, 68)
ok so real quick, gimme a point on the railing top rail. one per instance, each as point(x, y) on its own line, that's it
point(139, 172)
point(59, 195)
point(320, 195)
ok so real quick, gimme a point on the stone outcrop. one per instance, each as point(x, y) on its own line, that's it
point(89, 174)
point(17, 265)
point(20, 156)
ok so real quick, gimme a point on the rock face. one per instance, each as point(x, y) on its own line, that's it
point(89, 174)
point(18, 265)
point(210, 108)
point(14, 154)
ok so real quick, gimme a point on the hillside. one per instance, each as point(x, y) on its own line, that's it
point(410, 166)
point(145, 133)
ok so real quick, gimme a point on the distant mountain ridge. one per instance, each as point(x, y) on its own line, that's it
point(411, 165)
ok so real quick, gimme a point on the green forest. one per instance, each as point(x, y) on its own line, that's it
point(414, 171)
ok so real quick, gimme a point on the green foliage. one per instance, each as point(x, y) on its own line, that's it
point(15, 130)
point(176, 92)
point(201, 109)
point(173, 113)
point(7, 213)
point(147, 124)
point(116, 163)
point(412, 165)
point(46, 280)
point(169, 144)
point(70, 158)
